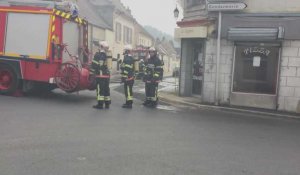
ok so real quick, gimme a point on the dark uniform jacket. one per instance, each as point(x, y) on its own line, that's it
point(127, 67)
point(99, 65)
point(153, 70)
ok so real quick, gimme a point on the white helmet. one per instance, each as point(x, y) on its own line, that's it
point(152, 49)
point(128, 47)
point(104, 44)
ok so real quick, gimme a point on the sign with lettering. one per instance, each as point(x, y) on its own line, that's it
point(191, 32)
point(257, 50)
point(224, 6)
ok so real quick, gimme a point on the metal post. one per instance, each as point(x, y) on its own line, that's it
point(218, 59)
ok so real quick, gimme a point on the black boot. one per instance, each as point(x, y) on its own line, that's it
point(127, 105)
point(98, 106)
point(146, 103)
point(153, 104)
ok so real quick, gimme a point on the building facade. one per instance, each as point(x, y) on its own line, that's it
point(259, 62)
point(126, 29)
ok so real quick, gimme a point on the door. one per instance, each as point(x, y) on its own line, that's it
point(197, 68)
point(255, 77)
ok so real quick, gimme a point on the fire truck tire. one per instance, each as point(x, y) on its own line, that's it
point(9, 82)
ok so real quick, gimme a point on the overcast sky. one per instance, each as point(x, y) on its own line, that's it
point(156, 13)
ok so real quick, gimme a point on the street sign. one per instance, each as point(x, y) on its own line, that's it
point(223, 6)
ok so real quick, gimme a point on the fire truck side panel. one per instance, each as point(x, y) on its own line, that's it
point(56, 40)
point(27, 35)
point(2, 31)
point(38, 71)
point(71, 38)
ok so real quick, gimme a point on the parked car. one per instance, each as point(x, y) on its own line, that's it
point(176, 72)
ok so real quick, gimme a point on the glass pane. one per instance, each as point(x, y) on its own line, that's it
point(256, 69)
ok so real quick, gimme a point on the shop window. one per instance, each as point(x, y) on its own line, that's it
point(256, 69)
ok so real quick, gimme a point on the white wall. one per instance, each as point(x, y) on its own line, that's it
point(289, 85)
point(226, 61)
point(118, 47)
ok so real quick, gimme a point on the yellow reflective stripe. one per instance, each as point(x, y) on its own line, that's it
point(153, 99)
point(159, 67)
point(107, 98)
point(156, 75)
point(99, 98)
point(125, 72)
point(96, 62)
point(129, 97)
point(128, 65)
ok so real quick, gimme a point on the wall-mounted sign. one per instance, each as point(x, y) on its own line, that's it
point(224, 6)
point(191, 32)
point(257, 50)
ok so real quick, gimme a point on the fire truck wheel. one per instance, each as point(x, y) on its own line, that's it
point(8, 80)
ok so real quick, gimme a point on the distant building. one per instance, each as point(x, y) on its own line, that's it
point(99, 30)
point(125, 27)
point(260, 54)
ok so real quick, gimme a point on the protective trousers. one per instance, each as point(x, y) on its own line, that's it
point(128, 91)
point(103, 91)
point(151, 92)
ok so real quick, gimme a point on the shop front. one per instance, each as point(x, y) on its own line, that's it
point(255, 75)
point(192, 57)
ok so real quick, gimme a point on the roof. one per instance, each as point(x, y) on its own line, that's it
point(144, 31)
point(87, 11)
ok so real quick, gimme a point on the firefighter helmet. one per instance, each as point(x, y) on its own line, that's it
point(128, 47)
point(152, 49)
point(104, 44)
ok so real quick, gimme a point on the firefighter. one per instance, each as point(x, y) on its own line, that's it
point(153, 72)
point(102, 73)
point(127, 73)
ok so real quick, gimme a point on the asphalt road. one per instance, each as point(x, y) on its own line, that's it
point(60, 134)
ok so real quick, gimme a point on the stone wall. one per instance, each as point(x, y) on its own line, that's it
point(289, 85)
point(227, 50)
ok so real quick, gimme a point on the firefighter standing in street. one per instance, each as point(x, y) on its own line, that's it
point(101, 70)
point(153, 72)
point(127, 73)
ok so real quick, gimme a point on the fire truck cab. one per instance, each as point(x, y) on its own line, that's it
point(42, 44)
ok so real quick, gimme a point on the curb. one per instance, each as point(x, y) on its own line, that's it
point(188, 105)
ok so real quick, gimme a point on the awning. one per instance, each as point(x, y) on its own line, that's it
point(255, 34)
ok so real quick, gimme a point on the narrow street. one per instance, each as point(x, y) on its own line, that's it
point(62, 134)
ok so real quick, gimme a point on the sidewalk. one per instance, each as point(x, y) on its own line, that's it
point(194, 103)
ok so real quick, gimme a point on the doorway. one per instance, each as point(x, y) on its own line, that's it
point(197, 68)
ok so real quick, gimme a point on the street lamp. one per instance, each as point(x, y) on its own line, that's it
point(176, 12)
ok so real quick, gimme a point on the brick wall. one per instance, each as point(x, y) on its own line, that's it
point(227, 49)
point(289, 85)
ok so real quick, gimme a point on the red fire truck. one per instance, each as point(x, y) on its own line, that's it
point(42, 46)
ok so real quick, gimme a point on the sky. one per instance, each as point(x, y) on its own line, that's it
point(156, 13)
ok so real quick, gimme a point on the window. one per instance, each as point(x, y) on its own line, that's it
point(256, 69)
point(35, 34)
point(127, 37)
point(118, 34)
